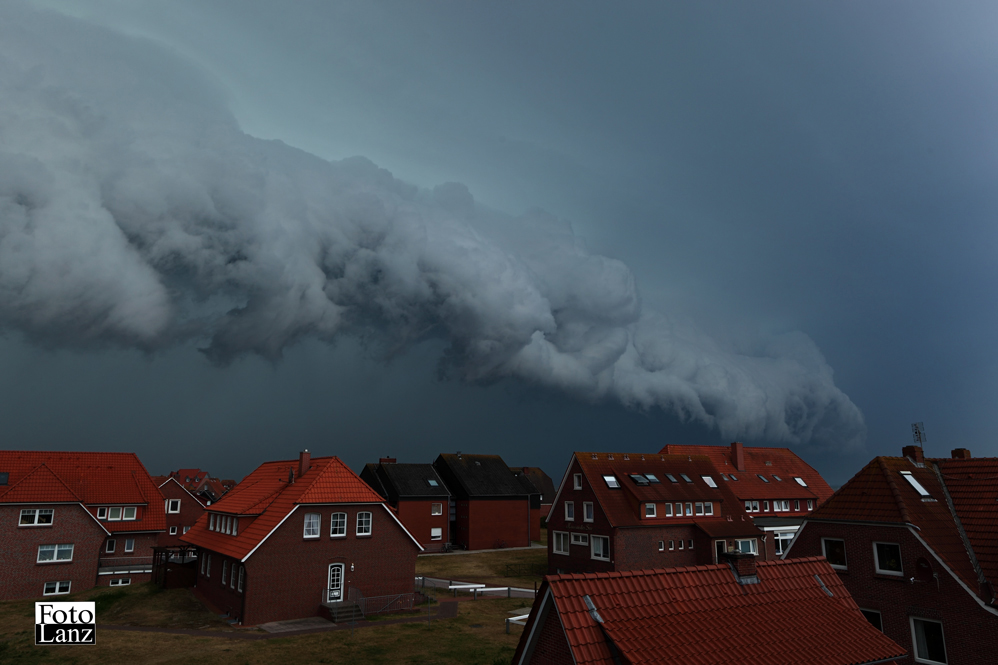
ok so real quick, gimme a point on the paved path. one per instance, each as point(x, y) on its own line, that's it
point(446, 610)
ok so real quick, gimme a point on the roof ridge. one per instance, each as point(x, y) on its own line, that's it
point(894, 491)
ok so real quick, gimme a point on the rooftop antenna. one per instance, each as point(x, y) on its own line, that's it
point(918, 435)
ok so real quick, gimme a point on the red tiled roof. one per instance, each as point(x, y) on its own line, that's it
point(973, 487)
point(90, 478)
point(879, 493)
point(701, 615)
point(771, 463)
point(265, 497)
point(623, 506)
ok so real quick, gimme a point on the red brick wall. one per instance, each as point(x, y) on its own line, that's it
point(970, 632)
point(494, 521)
point(190, 510)
point(637, 548)
point(141, 554)
point(415, 515)
point(21, 576)
point(552, 647)
point(286, 577)
point(535, 524)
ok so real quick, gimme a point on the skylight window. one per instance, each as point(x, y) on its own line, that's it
point(432, 483)
point(725, 476)
point(763, 478)
point(611, 481)
point(685, 477)
point(733, 476)
point(778, 479)
point(652, 478)
point(639, 479)
point(671, 478)
point(914, 483)
point(800, 481)
point(710, 481)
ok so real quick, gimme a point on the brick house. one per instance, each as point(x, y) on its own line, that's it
point(777, 487)
point(631, 511)
point(183, 510)
point(492, 506)
point(297, 538)
point(914, 540)
point(201, 485)
point(779, 613)
point(544, 485)
point(419, 497)
point(72, 521)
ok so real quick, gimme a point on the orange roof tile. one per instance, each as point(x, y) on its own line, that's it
point(973, 487)
point(91, 478)
point(771, 463)
point(701, 615)
point(265, 498)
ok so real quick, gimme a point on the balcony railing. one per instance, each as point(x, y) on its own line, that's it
point(124, 564)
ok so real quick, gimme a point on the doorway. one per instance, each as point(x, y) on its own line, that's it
point(720, 547)
point(334, 593)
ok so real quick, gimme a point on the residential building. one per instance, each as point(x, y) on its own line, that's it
point(491, 504)
point(916, 542)
point(776, 486)
point(202, 485)
point(544, 485)
point(419, 497)
point(777, 612)
point(631, 511)
point(183, 510)
point(297, 538)
point(74, 520)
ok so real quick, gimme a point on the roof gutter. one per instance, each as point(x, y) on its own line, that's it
point(985, 590)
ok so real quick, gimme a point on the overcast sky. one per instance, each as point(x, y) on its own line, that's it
point(678, 223)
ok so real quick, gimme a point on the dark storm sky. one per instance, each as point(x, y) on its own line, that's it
point(808, 183)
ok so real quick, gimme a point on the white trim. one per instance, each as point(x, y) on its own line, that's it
point(950, 571)
point(554, 535)
point(564, 480)
point(876, 560)
point(542, 610)
point(264, 539)
point(835, 566)
point(401, 525)
point(183, 488)
point(914, 642)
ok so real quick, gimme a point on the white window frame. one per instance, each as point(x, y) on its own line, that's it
point(560, 537)
point(708, 508)
point(436, 509)
point(668, 510)
point(110, 545)
point(128, 513)
point(689, 545)
point(914, 641)
point(682, 544)
point(651, 510)
point(114, 514)
point(225, 571)
point(611, 481)
point(796, 505)
point(57, 590)
point(569, 511)
point(592, 547)
point(779, 537)
point(130, 544)
point(361, 519)
point(203, 558)
point(661, 546)
point(876, 560)
point(186, 529)
point(824, 553)
point(800, 481)
point(120, 581)
point(242, 575)
point(577, 481)
point(56, 550)
point(810, 504)
point(765, 506)
point(436, 533)
point(689, 508)
point(102, 513)
point(235, 526)
point(173, 530)
point(35, 514)
point(211, 522)
point(710, 481)
point(672, 545)
point(208, 573)
point(579, 538)
point(753, 545)
point(228, 524)
point(312, 525)
point(338, 525)
point(588, 513)
point(170, 503)
point(880, 614)
point(698, 507)
point(232, 576)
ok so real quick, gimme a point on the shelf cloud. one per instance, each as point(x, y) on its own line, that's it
point(134, 212)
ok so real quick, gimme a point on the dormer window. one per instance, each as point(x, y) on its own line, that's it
point(611, 481)
point(800, 481)
point(914, 483)
point(650, 510)
point(710, 481)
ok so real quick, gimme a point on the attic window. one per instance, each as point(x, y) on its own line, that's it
point(4, 477)
point(671, 478)
point(777, 478)
point(914, 483)
point(733, 476)
point(710, 481)
point(611, 481)
point(639, 480)
point(800, 481)
point(764, 478)
point(432, 483)
point(651, 478)
point(685, 477)
point(724, 476)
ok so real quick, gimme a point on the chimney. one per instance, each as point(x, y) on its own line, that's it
point(304, 458)
point(915, 453)
point(738, 456)
point(387, 460)
point(742, 565)
point(960, 453)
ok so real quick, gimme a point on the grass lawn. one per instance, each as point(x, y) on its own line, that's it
point(476, 636)
point(484, 567)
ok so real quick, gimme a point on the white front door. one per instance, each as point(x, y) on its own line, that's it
point(334, 593)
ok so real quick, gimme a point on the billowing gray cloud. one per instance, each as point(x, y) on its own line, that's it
point(135, 212)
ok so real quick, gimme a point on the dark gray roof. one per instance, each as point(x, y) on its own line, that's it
point(370, 476)
point(412, 480)
point(471, 476)
point(539, 479)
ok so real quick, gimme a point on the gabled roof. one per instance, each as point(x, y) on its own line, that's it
point(973, 487)
point(772, 463)
point(470, 476)
point(623, 505)
point(701, 615)
point(407, 480)
point(268, 498)
point(880, 493)
point(89, 478)
point(538, 479)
